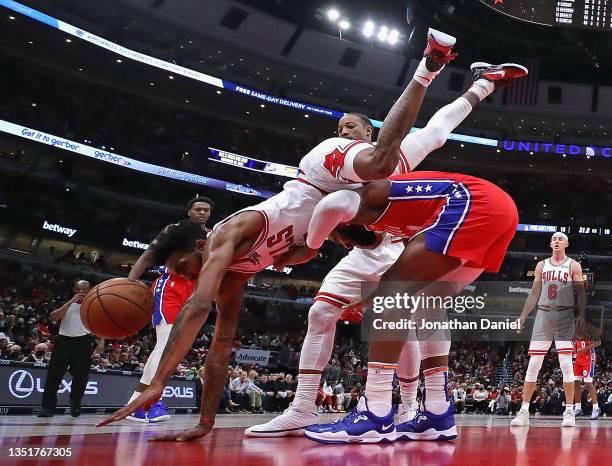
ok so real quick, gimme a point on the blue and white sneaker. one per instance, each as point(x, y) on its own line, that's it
point(595, 413)
point(158, 413)
point(359, 426)
point(428, 426)
point(138, 416)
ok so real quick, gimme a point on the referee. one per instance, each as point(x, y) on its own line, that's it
point(72, 351)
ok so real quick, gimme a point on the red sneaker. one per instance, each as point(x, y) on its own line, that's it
point(499, 74)
point(440, 47)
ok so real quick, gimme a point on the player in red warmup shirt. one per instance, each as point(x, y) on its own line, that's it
point(170, 291)
point(584, 371)
point(455, 227)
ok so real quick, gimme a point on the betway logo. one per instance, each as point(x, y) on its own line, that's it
point(134, 244)
point(22, 384)
point(69, 232)
point(178, 392)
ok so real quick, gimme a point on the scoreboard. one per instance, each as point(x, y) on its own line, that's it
point(584, 14)
point(592, 14)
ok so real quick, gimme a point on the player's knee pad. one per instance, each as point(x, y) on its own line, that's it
point(433, 347)
point(319, 341)
point(567, 368)
point(410, 360)
point(533, 369)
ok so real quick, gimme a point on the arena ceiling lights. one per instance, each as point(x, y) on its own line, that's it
point(384, 34)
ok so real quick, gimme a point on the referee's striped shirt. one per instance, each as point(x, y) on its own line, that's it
point(71, 325)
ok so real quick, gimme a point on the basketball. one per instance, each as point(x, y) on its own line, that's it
point(117, 308)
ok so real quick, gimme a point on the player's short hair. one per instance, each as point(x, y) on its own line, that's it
point(358, 235)
point(178, 237)
point(364, 119)
point(200, 199)
point(562, 234)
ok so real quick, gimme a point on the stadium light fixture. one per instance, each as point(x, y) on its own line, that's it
point(368, 29)
point(344, 24)
point(383, 33)
point(333, 14)
point(393, 36)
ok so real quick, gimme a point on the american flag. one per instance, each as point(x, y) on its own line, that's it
point(524, 91)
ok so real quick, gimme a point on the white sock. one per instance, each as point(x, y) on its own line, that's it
point(595, 405)
point(379, 387)
point(579, 405)
point(408, 392)
point(307, 387)
point(423, 76)
point(436, 390)
point(525, 406)
point(134, 396)
point(482, 88)
point(569, 406)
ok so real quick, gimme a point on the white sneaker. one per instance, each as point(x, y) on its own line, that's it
point(595, 413)
point(521, 419)
point(569, 420)
point(406, 413)
point(290, 423)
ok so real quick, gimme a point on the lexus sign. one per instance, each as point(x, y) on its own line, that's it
point(23, 385)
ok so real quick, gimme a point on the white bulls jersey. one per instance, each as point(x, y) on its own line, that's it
point(288, 214)
point(557, 287)
point(329, 164)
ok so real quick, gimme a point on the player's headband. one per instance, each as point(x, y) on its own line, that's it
point(562, 234)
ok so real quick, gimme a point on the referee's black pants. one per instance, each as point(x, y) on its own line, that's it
point(70, 353)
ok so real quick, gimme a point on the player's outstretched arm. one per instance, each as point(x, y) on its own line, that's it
point(142, 264)
point(533, 297)
point(380, 161)
point(189, 321)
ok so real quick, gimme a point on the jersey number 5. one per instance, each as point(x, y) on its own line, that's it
point(284, 236)
point(552, 292)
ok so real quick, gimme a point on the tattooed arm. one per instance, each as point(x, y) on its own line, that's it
point(190, 319)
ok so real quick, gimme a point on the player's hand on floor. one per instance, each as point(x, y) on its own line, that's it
point(188, 435)
point(147, 398)
point(298, 255)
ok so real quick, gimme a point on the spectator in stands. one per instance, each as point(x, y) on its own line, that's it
point(459, 395)
point(356, 393)
point(480, 399)
point(502, 402)
point(39, 354)
point(516, 399)
point(339, 395)
point(238, 388)
point(254, 392)
point(285, 391)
